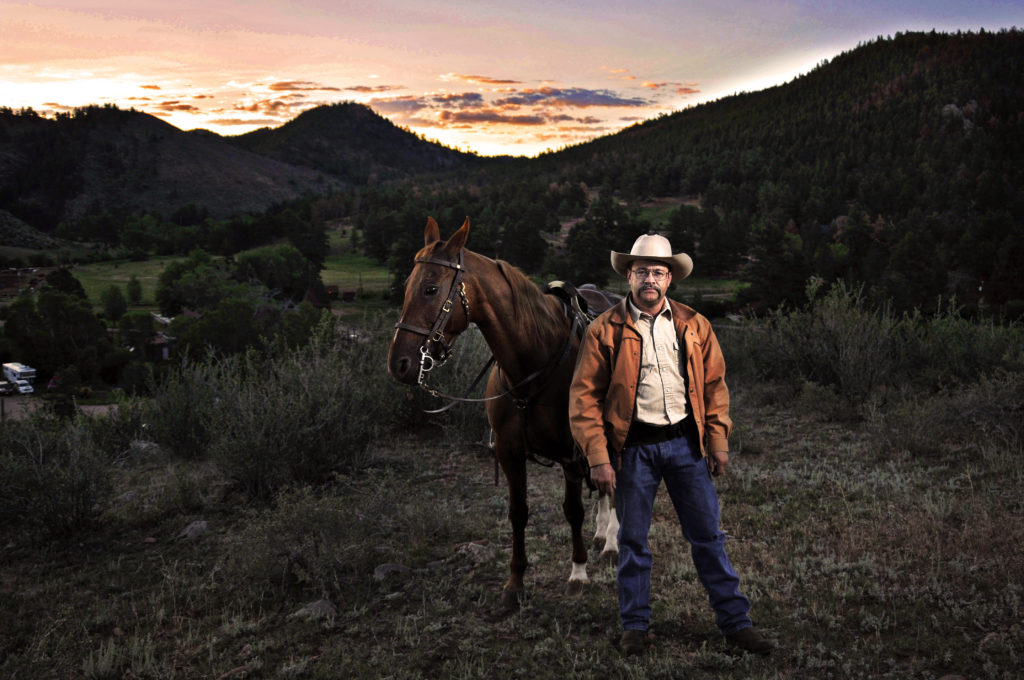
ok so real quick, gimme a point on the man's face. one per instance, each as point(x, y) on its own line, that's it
point(647, 288)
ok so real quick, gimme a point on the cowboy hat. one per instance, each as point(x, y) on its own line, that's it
point(653, 247)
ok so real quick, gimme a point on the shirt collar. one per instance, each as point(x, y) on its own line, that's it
point(635, 313)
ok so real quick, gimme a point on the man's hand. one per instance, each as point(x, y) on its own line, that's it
point(603, 477)
point(717, 460)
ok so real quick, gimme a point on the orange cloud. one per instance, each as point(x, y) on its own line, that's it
point(244, 121)
point(301, 86)
point(486, 80)
point(175, 105)
point(374, 88)
point(150, 87)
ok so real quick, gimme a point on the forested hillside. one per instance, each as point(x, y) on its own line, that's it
point(102, 159)
point(353, 143)
point(897, 164)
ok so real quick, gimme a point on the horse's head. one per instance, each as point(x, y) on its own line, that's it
point(431, 318)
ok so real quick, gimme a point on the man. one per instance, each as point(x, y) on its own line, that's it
point(648, 402)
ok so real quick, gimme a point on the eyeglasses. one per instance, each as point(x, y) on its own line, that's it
point(642, 273)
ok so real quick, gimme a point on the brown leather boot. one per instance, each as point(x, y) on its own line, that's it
point(633, 642)
point(749, 640)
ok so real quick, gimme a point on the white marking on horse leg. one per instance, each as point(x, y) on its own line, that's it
point(611, 535)
point(601, 520)
point(607, 534)
point(579, 573)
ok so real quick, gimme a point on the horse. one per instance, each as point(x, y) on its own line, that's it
point(534, 340)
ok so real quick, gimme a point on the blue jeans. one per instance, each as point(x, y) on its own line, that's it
point(678, 462)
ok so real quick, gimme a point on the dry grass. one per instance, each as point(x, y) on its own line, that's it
point(862, 560)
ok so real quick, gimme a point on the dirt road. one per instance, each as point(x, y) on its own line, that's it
point(21, 406)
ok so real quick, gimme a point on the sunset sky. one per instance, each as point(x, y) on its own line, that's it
point(511, 77)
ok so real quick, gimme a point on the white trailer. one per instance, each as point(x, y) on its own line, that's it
point(15, 372)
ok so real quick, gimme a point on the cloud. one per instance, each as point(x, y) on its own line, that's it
point(619, 73)
point(274, 107)
point(244, 121)
point(577, 97)
point(486, 80)
point(301, 86)
point(175, 105)
point(462, 99)
point(489, 116)
point(679, 88)
point(403, 106)
point(150, 87)
point(374, 88)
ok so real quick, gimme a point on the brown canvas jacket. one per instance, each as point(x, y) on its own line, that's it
point(602, 397)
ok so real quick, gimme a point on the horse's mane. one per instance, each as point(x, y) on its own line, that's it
point(531, 306)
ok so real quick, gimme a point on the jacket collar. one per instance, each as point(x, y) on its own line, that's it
point(681, 314)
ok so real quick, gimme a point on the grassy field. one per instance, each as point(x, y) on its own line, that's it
point(347, 270)
point(861, 562)
point(98, 276)
point(873, 543)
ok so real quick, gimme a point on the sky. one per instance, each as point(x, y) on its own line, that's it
point(515, 77)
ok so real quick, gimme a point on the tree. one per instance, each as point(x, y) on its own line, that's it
point(63, 280)
point(57, 330)
point(195, 283)
point(136, 329)
point(134, 290)
point(114, 304)
point(281, 268)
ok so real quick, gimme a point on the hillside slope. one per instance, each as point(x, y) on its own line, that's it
point(105, 159)
point(352, 142)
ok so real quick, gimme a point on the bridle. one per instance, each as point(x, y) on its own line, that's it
point(435, 334)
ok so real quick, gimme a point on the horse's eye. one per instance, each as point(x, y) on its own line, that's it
point(430, 290)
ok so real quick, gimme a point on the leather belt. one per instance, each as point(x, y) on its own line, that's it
point(644, 433)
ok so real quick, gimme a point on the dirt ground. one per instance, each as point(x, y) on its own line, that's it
point(20, 406)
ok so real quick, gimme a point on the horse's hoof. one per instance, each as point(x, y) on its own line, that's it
point(610, 558)
point(511, 599)
point(574, 588)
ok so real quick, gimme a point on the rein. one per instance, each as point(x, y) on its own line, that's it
point(435, 335)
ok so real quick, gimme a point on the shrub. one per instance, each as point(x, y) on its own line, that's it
point(837, 341)
point(962, 417)
point(834, 341)
point(114, 432)
point(302, 415)
point(52, 476)
point(327, 543)
point(182, 408)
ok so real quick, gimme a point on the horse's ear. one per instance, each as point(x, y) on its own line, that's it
point(432, 233)
point(458, 240)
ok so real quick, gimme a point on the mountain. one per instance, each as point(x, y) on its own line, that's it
point(106, 159)
point(352, 142)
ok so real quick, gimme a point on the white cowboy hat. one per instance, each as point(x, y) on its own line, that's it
point(653, 247)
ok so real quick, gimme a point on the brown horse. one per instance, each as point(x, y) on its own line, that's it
point(534, 344)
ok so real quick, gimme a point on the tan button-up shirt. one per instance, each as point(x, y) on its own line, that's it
point(661, 393)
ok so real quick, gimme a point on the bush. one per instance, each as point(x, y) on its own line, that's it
point(837, 341)
point(302, 415)
point(52, 476)
point(113, 433)
point(962, 418)
point(834, 341)
point(328, 544)
point(182, 408)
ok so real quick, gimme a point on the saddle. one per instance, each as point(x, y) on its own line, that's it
point(584, 303)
